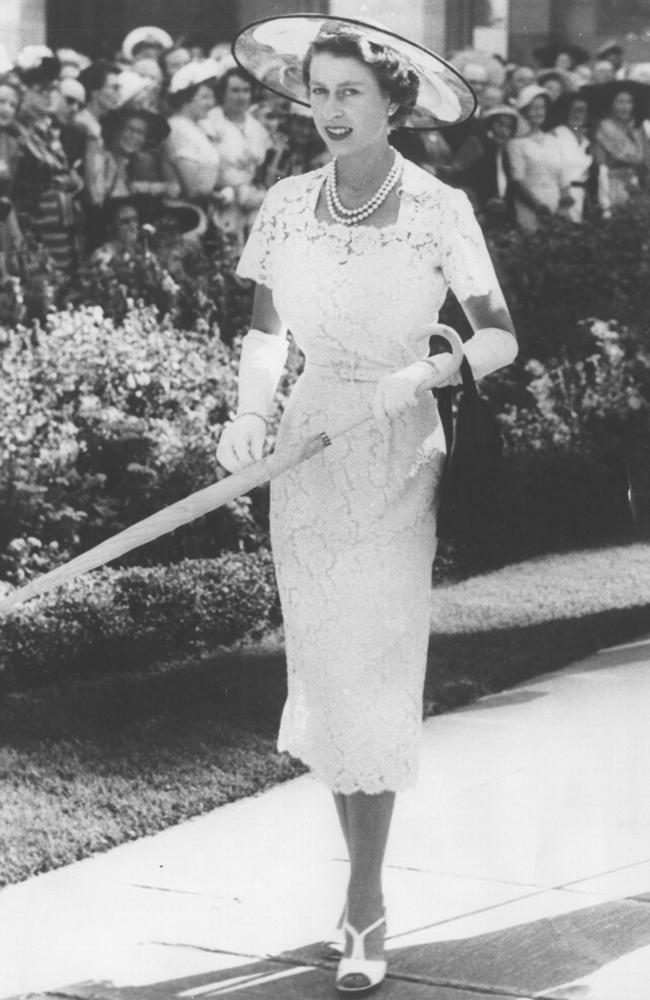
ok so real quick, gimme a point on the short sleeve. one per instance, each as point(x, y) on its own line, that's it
point(466, 263)
point(257, 259)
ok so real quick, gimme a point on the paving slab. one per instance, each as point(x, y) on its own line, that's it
point(519, 867)
point(528, 947)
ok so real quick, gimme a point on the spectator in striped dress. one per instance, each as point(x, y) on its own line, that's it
point(46, 187)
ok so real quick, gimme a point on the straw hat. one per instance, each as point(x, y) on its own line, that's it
point(272, 51)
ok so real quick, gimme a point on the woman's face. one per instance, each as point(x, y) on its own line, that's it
point(350, 109)
point(8, 105)
point(132, 137)
point(202, 102)
point(502, 128)
point(536, 112)
point(175, 60)
point(577, 115)
point(237, 97)
point(522, 77)
point(40, 98)
point(564, 61)
point(552, 87)
point(623, 107)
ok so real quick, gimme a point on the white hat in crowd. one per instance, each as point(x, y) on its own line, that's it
point(528, 95)
point(146, 35)
point(70, 87)
point(193, 74)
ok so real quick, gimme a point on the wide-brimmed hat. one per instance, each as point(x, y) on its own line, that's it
point(146, 35)
point(189, 219)
point(272, 51)
point(501, 111)
point(600, 96)
point(547, 54)
point(528, 95)
point(158, 127)
point(611, 45)
point(193, 74)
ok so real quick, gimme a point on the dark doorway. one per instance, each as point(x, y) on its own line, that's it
point(97, 27)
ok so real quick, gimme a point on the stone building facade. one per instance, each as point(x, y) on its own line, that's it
point(514, 28)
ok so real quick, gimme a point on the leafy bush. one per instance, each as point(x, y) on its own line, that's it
point(101, 425)
point(577, 442)
point(564, 274)
point(120, 620)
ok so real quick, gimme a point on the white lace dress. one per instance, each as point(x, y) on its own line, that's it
point(353, 528)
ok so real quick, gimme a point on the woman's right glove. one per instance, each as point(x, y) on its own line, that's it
point(261, 364)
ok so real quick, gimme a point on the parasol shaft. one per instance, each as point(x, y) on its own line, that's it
point(180, 513)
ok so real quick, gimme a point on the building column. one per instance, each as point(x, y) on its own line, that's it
point(22, 22)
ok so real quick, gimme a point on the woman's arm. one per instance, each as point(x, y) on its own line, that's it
point(265, 316)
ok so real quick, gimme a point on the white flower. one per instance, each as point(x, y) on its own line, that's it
point(32, 56)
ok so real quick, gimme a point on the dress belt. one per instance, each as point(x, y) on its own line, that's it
point(349, 370)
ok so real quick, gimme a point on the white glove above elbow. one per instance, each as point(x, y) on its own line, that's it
point(490, 349)
point(263, 356)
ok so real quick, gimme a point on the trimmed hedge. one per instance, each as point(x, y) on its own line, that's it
point(122, 620)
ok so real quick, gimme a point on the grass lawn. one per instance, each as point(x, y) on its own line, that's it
point(87, 766)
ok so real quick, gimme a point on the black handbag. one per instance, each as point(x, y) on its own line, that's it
point(471, 473)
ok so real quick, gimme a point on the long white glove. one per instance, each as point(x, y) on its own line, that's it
point(263, 356)
point(487, 350)
point(490, 349)
point(400, 390)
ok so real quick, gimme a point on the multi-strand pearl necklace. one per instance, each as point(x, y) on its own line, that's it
point(352, 216)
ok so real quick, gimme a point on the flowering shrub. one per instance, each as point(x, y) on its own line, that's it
point(120, 620)
point(597, 404)
point(101, 425)
point(556, 277)
point(192, 285)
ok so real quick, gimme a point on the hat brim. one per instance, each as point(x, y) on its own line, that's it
point(547, 54)
point(599, 97)
point(190, 219)
point(272, 52)
point(150, 34)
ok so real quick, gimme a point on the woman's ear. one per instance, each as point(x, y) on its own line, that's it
point(392, 108)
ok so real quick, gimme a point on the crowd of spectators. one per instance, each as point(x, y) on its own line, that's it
point(97, 156)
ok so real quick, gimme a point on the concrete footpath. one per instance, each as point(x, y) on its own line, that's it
point(520, 867)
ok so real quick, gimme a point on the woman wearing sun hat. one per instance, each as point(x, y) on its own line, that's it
point(537, 179)
point(355, 257)
point(188, 155)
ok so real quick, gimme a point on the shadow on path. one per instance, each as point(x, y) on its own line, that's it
point(519, 961)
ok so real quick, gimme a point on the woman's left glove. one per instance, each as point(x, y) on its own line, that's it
point(400, 390)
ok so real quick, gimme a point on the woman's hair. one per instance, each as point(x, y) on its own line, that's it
point(222, 83)
point(637, 110)
point(395, 76)
point(95, 76)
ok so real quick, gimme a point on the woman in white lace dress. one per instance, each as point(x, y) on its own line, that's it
point(354, 258)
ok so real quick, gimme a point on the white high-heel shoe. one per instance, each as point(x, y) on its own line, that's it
point(373, 970)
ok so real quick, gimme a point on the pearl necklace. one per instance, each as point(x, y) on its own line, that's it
point(352, 216)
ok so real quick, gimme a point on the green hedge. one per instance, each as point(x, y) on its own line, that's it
point(124, 620)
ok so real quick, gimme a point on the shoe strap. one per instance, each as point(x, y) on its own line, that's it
point(358, 937)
